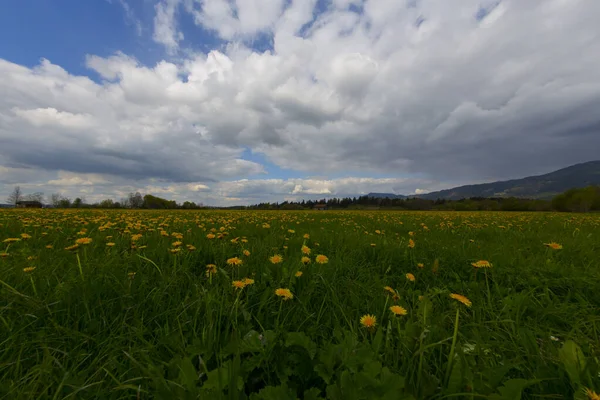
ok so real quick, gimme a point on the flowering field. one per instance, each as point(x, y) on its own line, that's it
point(307, 305)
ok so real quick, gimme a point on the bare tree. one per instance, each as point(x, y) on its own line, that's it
point(37, 196)
point(16, 195)
point(55, 199)
point(136, 200)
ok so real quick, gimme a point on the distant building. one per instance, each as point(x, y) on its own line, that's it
point(29, 204)
point(320, 207)
point(7, 206)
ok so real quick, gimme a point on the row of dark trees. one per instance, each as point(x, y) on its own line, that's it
point(574, 200)
point(132, 200)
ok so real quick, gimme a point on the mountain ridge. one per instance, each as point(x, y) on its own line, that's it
point(543, 186)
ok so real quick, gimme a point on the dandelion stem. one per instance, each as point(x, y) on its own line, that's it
point(488, 290)
point(79, 264)
point(451, 357)
point(33, 285)
point(421, 345)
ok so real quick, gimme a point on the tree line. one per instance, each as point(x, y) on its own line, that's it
point(132, 200)
point(574, 200)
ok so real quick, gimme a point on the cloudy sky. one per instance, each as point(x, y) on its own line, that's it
point(241, 101)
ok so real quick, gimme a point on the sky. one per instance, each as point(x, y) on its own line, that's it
point(226, 102)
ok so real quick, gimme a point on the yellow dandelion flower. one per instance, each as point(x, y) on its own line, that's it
point(305, 250)
point(397, 310)
point(131, 275)
point(368, 321)
point(190, 247)
point(11, 240)
point(411, 243)
point(285, 294)
point(234, 261)
point(266, 226)
point(49, 246)
point(482, 264)
point(3, 255)
point(210, 236)
point(246, 253)
point(85, 240)
point(298, 274)
point(420, 265)
point(136, 237)
point(389, 289)
point(29, 269)
point(175, 250)
point(110, 244)
point(553, 245)
point(411, 233)
point(410, 277)
point(291, 231)
point(25, 236)
point(248, 281)
point(373, 245)
point(305, 260)
point(306, 236)
point(276, 259)
point(321, 259)
point(238, 284)
point(591, 394)
point(211, 269)
point(74, 247)
point(176, 244)
point(461, 298)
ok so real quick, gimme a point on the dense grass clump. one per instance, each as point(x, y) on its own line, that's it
point(298, 305)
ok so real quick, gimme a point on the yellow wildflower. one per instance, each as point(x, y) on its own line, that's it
point(397, 310)
point(553, 245)
point(285, 294)
point(321, 259)
point(461, 298)
point(234, 261)
point(368, 321)
point(276, 259)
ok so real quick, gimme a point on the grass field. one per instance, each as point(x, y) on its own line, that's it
point(185, 304)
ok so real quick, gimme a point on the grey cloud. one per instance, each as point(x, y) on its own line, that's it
point(461, 97)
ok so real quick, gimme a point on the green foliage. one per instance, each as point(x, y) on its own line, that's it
point(83, 325)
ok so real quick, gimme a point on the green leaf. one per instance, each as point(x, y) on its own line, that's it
point(312, 394)
point(217, 378)
point(281, 392)
point(377, 340)
point(251, 342)
point(188, 377)
point(300, 339)
point(513, 389)
point(573, 361)
point(455, 380)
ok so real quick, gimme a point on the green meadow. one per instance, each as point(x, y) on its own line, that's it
point(222, 305)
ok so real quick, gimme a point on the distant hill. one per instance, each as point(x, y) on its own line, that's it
point(533, 187)
point(386, 196)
